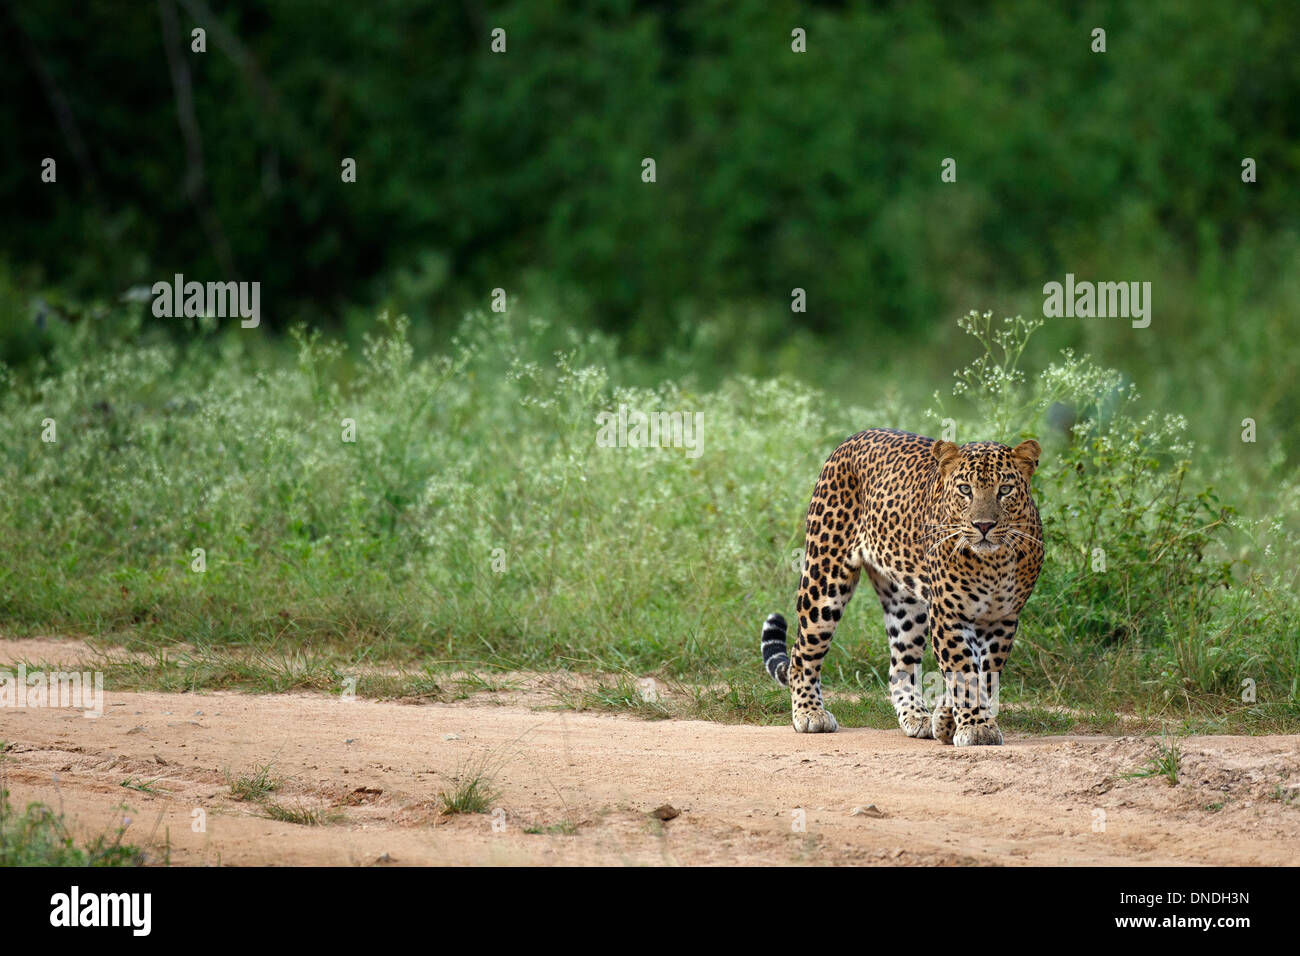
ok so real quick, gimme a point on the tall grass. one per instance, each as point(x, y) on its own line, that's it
point(476, 518)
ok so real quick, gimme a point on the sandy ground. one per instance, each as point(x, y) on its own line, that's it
point(591, 782)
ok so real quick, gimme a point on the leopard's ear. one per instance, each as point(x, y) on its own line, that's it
point(1026, 456)
point(946, 454)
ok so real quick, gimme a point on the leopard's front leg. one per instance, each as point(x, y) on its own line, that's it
point(965, 718)
point(993, 642)
point(972, 715)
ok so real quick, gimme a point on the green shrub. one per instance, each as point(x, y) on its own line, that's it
point(40, 837)
point(1137, 549)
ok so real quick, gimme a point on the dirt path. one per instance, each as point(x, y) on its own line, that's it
point(589, 781)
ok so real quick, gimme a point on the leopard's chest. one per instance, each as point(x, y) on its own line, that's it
point(979, 590)
point(993, 600)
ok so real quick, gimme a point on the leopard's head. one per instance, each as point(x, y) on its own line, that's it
point(984, 497)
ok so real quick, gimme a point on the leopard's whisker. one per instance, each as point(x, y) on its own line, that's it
point(1021, 534)
point(930, 549)
point(955, 534)
point(941, 529)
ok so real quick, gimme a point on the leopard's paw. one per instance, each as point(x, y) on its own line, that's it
point(916, 723)
point(942, 726)
point(818, 721)
point(978, 735)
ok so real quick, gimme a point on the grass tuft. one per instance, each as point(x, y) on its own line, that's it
point(474, 792)
point(1166, 763)
point(256, 784)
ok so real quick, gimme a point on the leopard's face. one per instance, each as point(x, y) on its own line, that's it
point(984, 497)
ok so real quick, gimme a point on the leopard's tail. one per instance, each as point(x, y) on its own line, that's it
point(775, 656)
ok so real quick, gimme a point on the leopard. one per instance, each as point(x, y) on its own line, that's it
point(951, 539)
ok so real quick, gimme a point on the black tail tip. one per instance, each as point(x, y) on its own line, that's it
point(776, 658)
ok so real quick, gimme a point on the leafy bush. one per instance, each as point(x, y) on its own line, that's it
point(1136, 550)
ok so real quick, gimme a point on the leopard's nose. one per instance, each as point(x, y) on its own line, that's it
point(984, 526)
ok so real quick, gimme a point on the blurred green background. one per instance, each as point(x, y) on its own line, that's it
point(775, 170)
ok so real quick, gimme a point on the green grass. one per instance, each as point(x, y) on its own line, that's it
point(1037, 720)
point(473, 683)
point(1284, 795)
point(1166, 763)
point(298, 815)
point(623, 696)
point(256, 784)
point(40, 836)
point(474, 792)
point(475, 526)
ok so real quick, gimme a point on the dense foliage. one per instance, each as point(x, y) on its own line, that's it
point(522, 170)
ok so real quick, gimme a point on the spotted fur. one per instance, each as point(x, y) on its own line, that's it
point(951, 541)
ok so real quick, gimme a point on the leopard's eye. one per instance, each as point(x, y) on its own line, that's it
point(1005, 490)
point(964, 489)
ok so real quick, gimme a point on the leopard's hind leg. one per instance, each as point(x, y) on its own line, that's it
point(823, 596)
point(830, 575)
point(907, 624)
